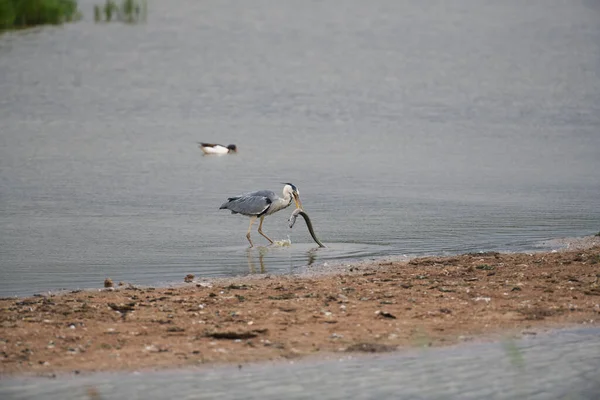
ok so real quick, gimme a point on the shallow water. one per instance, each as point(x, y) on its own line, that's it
point(554, 365)
point(410, 128)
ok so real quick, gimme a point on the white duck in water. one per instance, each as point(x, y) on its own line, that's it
point(211, 148)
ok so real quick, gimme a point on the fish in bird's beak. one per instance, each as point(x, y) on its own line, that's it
point(297, 200)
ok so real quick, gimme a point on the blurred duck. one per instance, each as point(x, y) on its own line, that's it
point(210, 148)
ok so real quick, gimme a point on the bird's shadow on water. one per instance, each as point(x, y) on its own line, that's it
point(256, 257)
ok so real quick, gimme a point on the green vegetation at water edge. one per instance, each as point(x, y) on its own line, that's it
point(130, 11)
point(15, 14)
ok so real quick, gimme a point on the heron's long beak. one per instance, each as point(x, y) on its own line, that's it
point(297, 201)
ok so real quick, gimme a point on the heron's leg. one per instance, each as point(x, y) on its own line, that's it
point(260, 229)
point(252, 219)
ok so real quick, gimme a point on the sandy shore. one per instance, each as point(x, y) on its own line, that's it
point(367, 307)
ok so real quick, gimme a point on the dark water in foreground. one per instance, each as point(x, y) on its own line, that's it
point(410, 128)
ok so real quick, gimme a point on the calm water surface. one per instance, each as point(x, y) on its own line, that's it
point(410, 128)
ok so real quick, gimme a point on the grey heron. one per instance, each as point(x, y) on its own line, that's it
point(261, 203)
point(213, 148)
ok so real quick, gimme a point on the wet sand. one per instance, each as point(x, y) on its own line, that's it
point(367, 307)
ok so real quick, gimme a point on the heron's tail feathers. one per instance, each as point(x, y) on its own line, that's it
point(225, 206)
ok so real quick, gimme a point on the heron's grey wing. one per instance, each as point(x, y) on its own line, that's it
point(255, 203)
point(269, 194)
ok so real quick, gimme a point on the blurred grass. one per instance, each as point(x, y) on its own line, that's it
point(130, 11)
point(514, 354)
point(16, 14)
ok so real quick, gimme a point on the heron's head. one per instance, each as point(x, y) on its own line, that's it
point(232, 147)
point(291, 190)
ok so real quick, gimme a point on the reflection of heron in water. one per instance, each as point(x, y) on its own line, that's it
point(261, 255)
point(260, 204)
point(311, 254)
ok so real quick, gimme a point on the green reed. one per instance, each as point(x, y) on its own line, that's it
point(129, 11)
point(16, 14)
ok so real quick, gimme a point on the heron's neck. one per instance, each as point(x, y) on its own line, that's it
point(281, 203)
